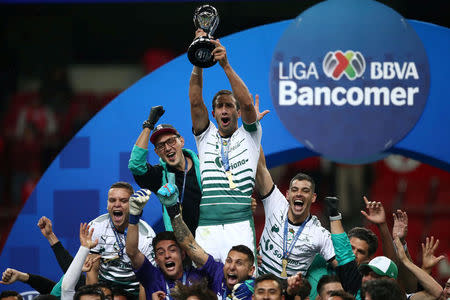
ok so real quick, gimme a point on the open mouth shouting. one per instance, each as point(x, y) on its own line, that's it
point(232, 279)
point(225, 121)
point(170, 266)
point(171, 156)
point(117, 216)
point(298, 204)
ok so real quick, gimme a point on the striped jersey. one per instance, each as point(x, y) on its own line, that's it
point(113, 269)
point(220, 204)
point(312, 240)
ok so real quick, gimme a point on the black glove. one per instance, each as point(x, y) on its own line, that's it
point(332, 204)
point(155, 113)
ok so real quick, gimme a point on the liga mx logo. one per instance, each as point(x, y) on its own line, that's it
point(351, 63)
point(349, 97)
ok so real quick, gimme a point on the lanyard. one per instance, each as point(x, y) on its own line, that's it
point(168, 289)
point(224, 153)
point(118, 240)
point(287, 252)
point(224, 291)
point(184, 178)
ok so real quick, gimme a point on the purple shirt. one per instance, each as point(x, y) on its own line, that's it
point(152, 278)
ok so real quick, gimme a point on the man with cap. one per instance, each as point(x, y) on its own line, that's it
point(382, 267)
point(379, 267)
point(173, 158)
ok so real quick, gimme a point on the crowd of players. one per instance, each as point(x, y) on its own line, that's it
point(208, 250)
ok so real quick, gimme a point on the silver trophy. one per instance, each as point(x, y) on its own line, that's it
point(206, 18)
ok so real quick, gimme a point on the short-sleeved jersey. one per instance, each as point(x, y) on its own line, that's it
point(113, 269)
point(312, 240)
point(220, 204)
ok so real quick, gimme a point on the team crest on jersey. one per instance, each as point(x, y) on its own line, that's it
point(275, 228)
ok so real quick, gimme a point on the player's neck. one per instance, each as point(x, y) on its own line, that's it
point(225, 135)
point(122, 227)
point(297, 220)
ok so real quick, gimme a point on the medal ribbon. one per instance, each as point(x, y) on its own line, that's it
point(287, 252)
point(224, 153)
point(118, 240)
point(168, 289)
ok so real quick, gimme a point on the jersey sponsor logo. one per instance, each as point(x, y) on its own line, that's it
point(239, 163)
point(349, 97)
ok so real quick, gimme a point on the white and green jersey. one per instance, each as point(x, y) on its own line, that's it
point(220, 204)
point(113, 268)
point(312, 240)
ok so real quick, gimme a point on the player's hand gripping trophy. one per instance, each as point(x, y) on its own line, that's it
point(206, 18)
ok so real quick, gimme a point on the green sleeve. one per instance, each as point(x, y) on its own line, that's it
point(317, 269)
point(138, 161)
point(56, 291)
point(250, 127)
point(342, 248)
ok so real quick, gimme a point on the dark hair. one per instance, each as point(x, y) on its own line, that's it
point(224, 92)
point(325, 279)
point(343, 294)
point(46, 297)
point(270, 276)
point(303, 176)
point(89, 290)
point(5, 294)
point(199, 289)
point(122, 185)
point(102, 285)
point(119, 291)
point(305, 288)
point(245, 250)
point(163, 236)
point(366, 235)
point(382, 289)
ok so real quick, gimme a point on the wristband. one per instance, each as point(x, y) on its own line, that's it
point(173, 210)
point(133, 219)
point(147, 124)
point(336, 218)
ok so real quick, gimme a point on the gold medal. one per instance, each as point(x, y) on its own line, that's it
point(283, 272)
point(230, 180)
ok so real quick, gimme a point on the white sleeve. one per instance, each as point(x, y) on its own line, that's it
point(199, 138)
point(273, 202)
point(326, 245)
point(255, 131)
point(73, 274)
point(145, 242)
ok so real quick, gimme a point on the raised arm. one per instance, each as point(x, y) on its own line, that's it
point(74, 271)
point(400, 229)
point(240, 90)
point(137, 202)
point(263, 179)
point(187, 242)
point(168, 195)
point(432, 289)
point(199, 112)
point(41, 284)
point(138, 158)
point(377, 216)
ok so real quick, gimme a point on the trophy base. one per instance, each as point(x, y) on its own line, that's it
point(199, 53)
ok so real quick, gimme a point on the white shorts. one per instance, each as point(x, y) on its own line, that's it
point(217, 240)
